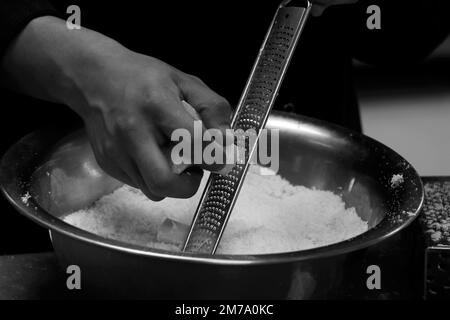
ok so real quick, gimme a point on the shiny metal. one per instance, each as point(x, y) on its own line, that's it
point(221, 191)
point(62, 176)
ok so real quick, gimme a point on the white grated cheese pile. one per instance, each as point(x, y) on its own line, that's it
point(270, 216)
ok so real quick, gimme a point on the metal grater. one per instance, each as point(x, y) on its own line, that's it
point(252, 112)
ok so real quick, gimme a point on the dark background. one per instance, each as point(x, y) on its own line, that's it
point(218, 41)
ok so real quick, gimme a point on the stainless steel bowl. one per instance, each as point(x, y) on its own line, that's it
point(62, 176)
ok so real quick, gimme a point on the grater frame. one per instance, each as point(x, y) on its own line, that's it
point(218, 200)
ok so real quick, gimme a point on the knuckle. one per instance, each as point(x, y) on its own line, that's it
point(159, 78)
point(195, 78)
point(222, 102)
point(126, 121)
point(153, 97)
point(215, 102)
point(221, 106)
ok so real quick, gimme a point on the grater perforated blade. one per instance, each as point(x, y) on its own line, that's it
point(262, 87)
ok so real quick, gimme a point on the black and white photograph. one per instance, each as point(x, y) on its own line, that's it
point(225, 156)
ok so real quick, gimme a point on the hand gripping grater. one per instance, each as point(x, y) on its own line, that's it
point(262, 87)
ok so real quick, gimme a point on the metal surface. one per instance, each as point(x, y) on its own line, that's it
point(62, 176)
point(221, 191)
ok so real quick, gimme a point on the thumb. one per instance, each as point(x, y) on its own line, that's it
point(226, 146)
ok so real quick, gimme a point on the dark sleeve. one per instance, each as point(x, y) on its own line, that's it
point(15, 15)
point(410, 30)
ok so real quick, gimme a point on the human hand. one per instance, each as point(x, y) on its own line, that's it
point(131, 104)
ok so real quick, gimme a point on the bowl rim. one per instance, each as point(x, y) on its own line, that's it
point(383, 230)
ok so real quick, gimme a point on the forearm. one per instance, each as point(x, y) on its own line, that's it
point(51, 62)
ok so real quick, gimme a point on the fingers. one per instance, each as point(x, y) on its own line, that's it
point(131, 143)
point(132, 154)
point(213, 109)
point(154, 168)
point(114, 162)
point(97, 139)
point(176, 114)
point(172, 114)
point(130, 168)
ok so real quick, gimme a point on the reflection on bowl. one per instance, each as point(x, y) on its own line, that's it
point(62, 176)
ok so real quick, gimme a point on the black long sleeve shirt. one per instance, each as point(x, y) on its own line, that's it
point(219, 42)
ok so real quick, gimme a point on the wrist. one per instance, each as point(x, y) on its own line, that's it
point(82, 61)
point(51, 62)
